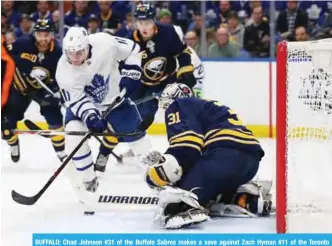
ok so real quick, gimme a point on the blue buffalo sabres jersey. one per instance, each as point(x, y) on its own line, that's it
point(28, 59)
point(196, 127)
point(161, 53)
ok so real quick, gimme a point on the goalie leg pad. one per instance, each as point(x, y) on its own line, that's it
point(221, 171)
point(178, 208)
point(251, 200)
point(83, 157)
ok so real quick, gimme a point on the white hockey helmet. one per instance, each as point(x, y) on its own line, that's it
point(171, 92)
point(76, 45)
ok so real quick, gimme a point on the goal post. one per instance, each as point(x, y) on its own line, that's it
point(304, 136)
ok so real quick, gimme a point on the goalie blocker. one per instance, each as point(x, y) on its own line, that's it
point(211, 152)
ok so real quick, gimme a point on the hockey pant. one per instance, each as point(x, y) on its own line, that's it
point(221, 171)
point(124, 118)
point(14, 110)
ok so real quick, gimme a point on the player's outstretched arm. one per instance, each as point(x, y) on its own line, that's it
point(181, 51)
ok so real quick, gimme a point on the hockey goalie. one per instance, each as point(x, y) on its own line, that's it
point(212, 156)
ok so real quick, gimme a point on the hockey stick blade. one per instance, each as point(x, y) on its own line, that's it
point(30, 200)
point(34, 127)
point(23, 199)
point(26, 200)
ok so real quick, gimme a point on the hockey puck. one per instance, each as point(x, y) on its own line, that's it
point(89, 212)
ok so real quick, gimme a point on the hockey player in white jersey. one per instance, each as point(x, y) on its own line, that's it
point(90, 79)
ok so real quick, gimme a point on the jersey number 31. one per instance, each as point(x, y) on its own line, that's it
point(173, 118)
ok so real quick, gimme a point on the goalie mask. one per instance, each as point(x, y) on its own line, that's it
point(171, 92)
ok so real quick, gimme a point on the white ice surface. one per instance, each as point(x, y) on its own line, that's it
point(59, 211)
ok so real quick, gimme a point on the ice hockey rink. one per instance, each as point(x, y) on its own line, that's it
point(59, 210)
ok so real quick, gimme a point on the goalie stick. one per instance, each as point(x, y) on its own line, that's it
point(34, 127)
point(26, 200)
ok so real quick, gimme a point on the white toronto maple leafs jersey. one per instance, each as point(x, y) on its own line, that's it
point(198, 69)
point(91, 86)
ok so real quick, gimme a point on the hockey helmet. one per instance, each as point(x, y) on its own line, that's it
point(145, 11)
point(76, 42)
point(172, 92)
point(44, 26)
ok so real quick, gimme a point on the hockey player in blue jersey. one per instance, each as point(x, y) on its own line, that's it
point(165, 59)
point(211, 153)
point(34, 55)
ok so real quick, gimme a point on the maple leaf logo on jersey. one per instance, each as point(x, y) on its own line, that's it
point(98, 88)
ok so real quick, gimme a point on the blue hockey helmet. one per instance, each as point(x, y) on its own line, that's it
point(44, 26)
point(145, 11)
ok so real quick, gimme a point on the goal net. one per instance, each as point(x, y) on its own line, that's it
point(304, 136)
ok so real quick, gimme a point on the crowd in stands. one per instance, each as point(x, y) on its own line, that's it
point(233, 28)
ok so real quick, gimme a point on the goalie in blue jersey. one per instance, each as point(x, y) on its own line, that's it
point(212, 156)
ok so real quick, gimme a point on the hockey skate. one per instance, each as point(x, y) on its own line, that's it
point(92, 185)
point(101, 162)
point(61, 155)
point(15, 151)
point(251, 200)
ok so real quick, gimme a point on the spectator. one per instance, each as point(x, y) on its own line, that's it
point(55, 19)
point(223, 46)
point(210, 35)
point(78, 15)
point(93, 24)
point(252, 5)
point(236, 29)
point(225, 9)
point(325, 31)
point(314, 17)
point(197, 24)
point(301, 34)
point(25, 26)
point(127, 28)
point(108, 18)
point(290, 19)
point(12, 16)
point(192, 41)
point(10, 38)
point(257, 35)
point(5, 25)
point(42, 12)
point(165, 16)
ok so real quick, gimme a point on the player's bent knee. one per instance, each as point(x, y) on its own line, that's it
point(72, 141)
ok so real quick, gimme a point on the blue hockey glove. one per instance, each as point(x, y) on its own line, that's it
point(95, 123)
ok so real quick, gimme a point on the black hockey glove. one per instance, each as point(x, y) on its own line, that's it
point(187, 79)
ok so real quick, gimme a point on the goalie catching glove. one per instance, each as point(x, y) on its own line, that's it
point(162, 169)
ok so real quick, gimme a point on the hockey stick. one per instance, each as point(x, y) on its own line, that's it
point(47, 133)
point(30, 200)
point(36, 130)
point(32, 126)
